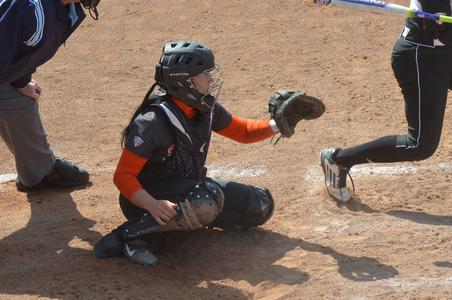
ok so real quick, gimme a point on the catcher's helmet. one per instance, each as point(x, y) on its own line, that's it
point(179, 63)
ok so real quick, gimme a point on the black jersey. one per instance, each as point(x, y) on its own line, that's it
point(428, 32)
point(175, 146)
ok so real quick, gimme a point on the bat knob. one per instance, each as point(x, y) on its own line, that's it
point(322, 2)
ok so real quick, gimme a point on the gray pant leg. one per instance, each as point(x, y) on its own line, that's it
point(21, 129)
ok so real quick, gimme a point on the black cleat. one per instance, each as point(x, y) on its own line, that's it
point(64, 174)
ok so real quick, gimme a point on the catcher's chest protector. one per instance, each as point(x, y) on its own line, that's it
point(192, 140)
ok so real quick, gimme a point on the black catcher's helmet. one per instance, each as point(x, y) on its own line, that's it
point(179, 63)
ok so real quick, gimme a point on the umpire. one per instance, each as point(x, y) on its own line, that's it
point(422, 65)
point(31, 31)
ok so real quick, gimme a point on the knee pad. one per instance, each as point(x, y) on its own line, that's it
point(260, 208)
point(203, 204)
point(200, 207)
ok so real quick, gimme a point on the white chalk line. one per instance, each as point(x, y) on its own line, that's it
point(415, 283)
point(226, 171)
point(315, 174)
point(7, 177)
point(235, 171)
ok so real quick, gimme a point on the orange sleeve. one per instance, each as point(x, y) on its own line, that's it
point(246, 130)
point(127, 170)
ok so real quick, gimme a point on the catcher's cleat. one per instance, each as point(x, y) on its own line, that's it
point(335, 176)
point(64, 174)
point(138, 252)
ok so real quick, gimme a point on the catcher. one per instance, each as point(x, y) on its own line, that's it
point(161, 173)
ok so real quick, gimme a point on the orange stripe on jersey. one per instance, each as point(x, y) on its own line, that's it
point(246, 130)
point(126, 174)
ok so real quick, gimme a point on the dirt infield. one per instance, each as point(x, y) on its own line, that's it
point(392, 241)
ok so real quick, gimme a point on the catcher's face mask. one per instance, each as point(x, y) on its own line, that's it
point(91, 5)
point(208, 84)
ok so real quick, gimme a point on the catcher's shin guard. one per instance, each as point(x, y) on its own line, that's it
point(201, 206)
point(260, 208)
point(245, 205)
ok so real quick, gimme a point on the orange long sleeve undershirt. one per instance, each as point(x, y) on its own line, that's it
point(127, 171)
point(247, 131)
point(240, 130)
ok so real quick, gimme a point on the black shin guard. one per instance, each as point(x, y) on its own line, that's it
point(245, 205)
point(260, 208)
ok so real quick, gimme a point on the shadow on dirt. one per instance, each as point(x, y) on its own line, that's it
point(421, 217)
point(443, 264)
point(356, 205)
point(52, 257)
point(414, 216)
point(354, 268)
point(252, 255)
point(35, 258)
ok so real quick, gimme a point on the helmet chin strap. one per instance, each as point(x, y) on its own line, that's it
point(209, 99)
point(209, 105)
point(91, 5)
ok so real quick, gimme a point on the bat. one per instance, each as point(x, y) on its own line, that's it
point(384, 7)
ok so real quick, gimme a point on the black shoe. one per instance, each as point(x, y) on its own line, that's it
point(64, 174)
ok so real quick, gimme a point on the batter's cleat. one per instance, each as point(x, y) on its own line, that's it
point(335, 175)
point(64, 174)
point(109, 245)
point(138, 252)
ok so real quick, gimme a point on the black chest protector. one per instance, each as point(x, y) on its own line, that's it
point(186, 157)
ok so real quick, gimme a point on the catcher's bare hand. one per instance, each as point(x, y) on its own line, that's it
point(163, 211)
point(288, 107)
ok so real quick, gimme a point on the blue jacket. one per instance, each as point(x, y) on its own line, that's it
point(31, 31)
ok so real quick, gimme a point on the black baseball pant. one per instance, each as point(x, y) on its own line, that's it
point(424, 75)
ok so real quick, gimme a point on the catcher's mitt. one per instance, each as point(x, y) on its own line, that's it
point(287, 108)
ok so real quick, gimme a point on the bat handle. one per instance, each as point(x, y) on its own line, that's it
point(445, 19)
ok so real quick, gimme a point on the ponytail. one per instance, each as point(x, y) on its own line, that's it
point(146, 102)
